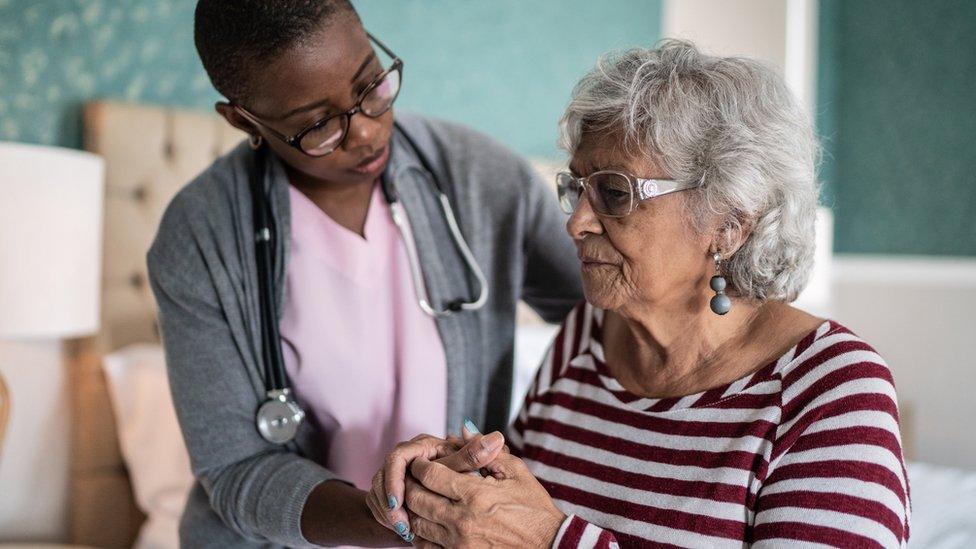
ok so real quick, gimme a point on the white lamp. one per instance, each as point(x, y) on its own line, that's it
point(50, 241)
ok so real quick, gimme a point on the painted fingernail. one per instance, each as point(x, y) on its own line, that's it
point(401, 528)
point(470, 426)
point(391, 501)
point(409, 537)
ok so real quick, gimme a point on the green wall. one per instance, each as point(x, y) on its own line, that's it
point(505, 66)
point(897, 111)
point(896, 87)
point(57, 54)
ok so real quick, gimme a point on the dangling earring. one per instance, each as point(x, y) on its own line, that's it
point(255, 141)
point(720, 303)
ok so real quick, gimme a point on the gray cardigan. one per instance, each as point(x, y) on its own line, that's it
point(250, 493)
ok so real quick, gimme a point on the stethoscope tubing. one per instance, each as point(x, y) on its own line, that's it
point(278, 417)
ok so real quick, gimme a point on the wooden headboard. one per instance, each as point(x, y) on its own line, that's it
point(150, 153)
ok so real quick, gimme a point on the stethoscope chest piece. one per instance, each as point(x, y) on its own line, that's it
point(279, 417)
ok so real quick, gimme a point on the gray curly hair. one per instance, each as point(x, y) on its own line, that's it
point(730, 123)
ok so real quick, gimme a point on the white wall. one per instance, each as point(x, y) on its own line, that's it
point(918, 314)
point(755, 28)
point(781, 32)
point(34, 458)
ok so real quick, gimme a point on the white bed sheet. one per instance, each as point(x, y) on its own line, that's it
point(943, 507)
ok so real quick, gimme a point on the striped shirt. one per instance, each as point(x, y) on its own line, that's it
point(804, 451)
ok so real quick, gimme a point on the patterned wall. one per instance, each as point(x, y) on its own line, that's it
point(505, 67)
point(57, 54)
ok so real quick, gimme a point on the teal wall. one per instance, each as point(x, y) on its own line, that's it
point(896, 92)
point(57, 54)
point(897, 111)
point(506, 66)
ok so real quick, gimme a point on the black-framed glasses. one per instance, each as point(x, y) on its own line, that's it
point(327, 134)
point(612, 193)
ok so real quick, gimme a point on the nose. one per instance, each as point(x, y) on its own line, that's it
point(362, 131)
point(583, 220)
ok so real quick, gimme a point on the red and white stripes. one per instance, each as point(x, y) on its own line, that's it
point(805, 450)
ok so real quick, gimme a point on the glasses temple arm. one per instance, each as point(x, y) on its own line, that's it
point(649, 188)
point(255, 120)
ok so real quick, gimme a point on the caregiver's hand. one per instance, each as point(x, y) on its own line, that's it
point(509, 508)
point(387, 493)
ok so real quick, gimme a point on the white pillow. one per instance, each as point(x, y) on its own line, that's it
point(150, 439)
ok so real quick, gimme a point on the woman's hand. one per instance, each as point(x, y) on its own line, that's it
point(509, 508)
point(385, 498)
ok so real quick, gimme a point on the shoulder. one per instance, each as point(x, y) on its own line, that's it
point(201, 208)
point(834, 359)
point(835, 373)
point(839, 422)
point(463, 141)
point(472, 158)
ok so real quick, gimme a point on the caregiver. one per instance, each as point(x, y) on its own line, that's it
point(382, 335)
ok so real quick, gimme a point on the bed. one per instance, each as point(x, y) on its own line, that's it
point(150, 153)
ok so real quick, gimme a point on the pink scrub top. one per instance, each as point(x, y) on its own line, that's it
point(364, 361)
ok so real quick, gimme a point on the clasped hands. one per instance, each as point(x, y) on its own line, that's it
point(432, 492)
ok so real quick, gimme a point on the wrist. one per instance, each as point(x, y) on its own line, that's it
point(555, 523)
point(335, 513)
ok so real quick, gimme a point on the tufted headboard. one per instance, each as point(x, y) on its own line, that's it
point(150, 153)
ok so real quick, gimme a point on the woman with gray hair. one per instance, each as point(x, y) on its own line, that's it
point(685, 403)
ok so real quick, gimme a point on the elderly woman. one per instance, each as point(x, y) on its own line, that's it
point(685, 403)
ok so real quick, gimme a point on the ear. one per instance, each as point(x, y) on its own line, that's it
point(235, 118)
point(732, 234)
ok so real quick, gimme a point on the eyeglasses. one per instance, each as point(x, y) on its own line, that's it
point(327, 134)
point(611, 193)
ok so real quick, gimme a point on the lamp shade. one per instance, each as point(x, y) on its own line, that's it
point(50, 241)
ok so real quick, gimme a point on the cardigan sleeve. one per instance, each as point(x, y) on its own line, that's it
point(258, 489)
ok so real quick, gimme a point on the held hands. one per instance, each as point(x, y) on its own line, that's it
point(386, 497)
point(450, 509)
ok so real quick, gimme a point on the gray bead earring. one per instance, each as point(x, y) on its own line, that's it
point(720, 303)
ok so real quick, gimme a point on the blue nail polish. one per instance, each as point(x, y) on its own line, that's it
point(470, 426)
point(392, 502)
point(401, 528)
point(409, 538)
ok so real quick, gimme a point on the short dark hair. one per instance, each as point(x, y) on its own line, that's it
point(232, 36)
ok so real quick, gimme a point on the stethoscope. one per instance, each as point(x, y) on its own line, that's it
point(279, 415)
